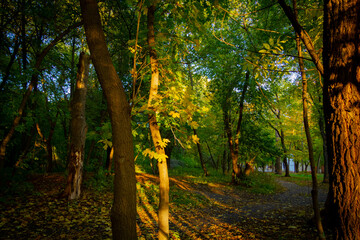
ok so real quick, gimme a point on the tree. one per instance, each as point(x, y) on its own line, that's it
point(123, 212)
point(314, 191)
point(341, 58)
point(155, 129)
point(78, 129)
point(34, 79)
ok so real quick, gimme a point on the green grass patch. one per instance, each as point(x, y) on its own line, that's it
point(196, 175)
point(186, 199)
point(261, 183)
point(302, 179)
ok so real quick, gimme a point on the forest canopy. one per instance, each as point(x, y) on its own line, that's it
point(231, 86)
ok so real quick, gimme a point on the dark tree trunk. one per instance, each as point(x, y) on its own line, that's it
point(78, 129)
point(223, 162)
point(123, 212)
point(304, 36)
point(233, 141)
point(297, 167)
point(202, 161)
point(278, 165)
point(211, 157)
point(314, 191)
point(342, 113)
point(49, 149)
point(282, 139)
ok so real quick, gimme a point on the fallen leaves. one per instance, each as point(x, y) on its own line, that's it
point(197, 211)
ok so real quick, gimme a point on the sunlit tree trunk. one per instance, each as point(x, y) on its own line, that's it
point(155, 131)
point(123, 211)
point(342, 113)
point(314, 191)
point(78, 129)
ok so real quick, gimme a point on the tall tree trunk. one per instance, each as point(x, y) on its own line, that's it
point(296, 166)
point(202, 162)
point(78, 129)
point(215, 165)
point(282, 139)
point(314, 191)
point(155, 131)
point(123, 212)
point(201, 157)
point(342, 112)
point(234, 141)
point(49, 147)
point(278, 165)
point(304, 36)
point(236, 171)
point(33, 82)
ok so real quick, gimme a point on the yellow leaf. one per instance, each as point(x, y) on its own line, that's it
point(194, 124)
point(195, 139)
point(148, 152)
point(164, 142)
point(174, 114)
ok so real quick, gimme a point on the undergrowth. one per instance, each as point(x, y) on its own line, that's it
point(260, 183)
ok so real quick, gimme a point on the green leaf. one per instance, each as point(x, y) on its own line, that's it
point(266, 46)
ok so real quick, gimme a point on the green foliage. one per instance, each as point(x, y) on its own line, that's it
point(261, 183)
point(99, 181)
point(304, 179)
point(15, 184)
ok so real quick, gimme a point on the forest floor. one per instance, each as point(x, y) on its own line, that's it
point(197, 211)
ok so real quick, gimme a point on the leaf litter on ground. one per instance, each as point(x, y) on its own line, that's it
point(197, 211)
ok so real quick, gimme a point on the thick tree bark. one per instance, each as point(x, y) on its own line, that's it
point(342, 113)
point(78, 129)
point(123, 212)
point(33, 82)
point(155, 131)
point(314, 191)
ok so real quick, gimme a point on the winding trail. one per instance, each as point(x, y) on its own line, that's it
point(285, 215)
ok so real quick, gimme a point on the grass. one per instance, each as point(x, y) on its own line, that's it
point(257, 182)
point(196, 175)
point(261, 183)
point(304, 179)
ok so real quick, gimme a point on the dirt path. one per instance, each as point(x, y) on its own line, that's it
point(283, 215)
point(218, 211)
